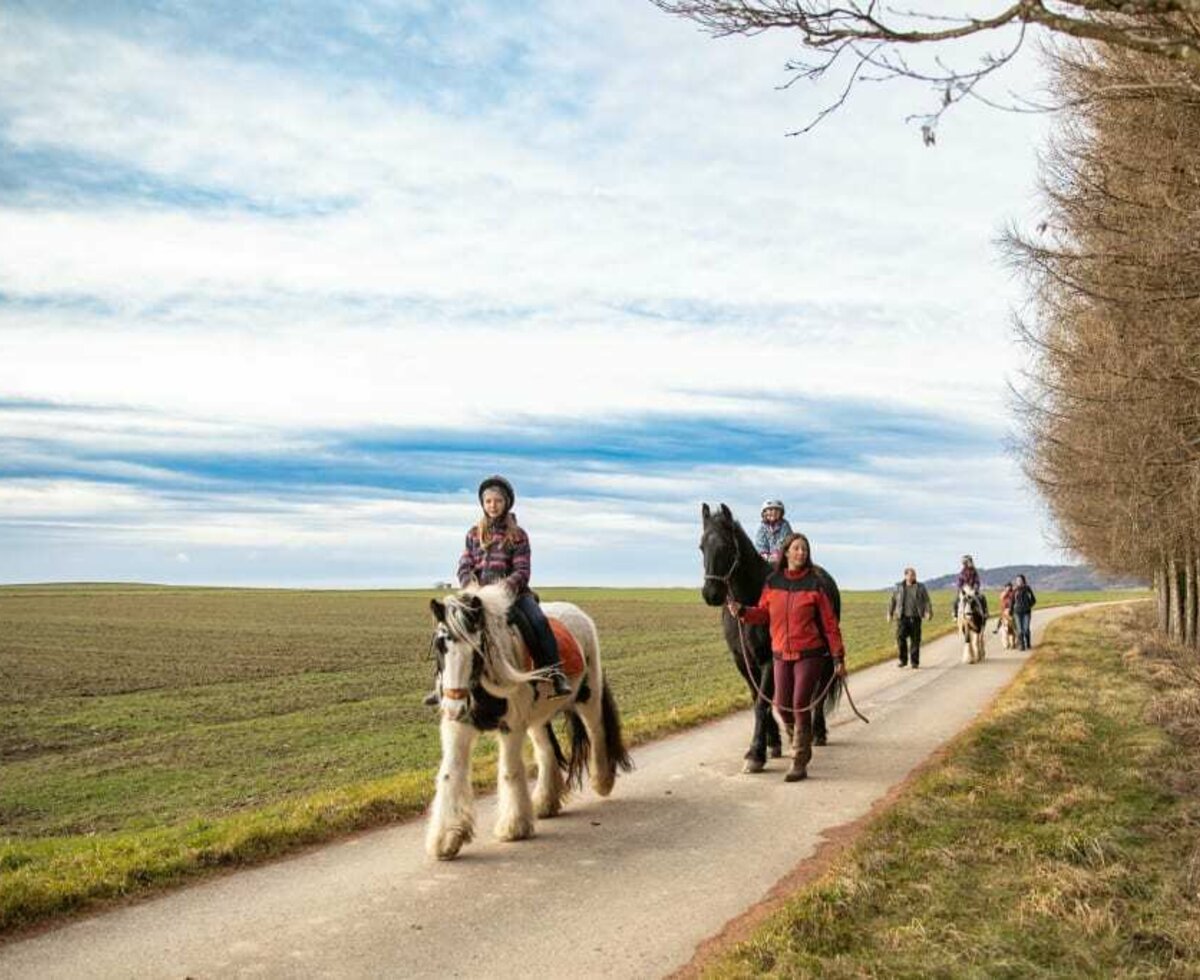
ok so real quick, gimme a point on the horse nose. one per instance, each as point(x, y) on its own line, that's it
point(454, 709)
point(710, 592)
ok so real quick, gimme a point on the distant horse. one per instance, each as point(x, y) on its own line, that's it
point(487, 684)
point(733, 567)
point(971, 622)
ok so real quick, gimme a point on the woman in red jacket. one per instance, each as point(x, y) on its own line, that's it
point(804, 635)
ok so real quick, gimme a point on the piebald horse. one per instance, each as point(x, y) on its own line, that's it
point(487, 684)
point(971, 623)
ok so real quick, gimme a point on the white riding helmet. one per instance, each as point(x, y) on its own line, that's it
point(772, 505)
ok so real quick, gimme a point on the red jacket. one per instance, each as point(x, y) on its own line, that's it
point(801, 616)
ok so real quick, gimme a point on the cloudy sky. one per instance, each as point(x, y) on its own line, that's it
point(279, 284)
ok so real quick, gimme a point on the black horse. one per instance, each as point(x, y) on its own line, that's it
point(732, 566)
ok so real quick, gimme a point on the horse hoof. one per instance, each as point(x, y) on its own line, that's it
point(449, 844)
point(545, 809)
point(820, 740)
point(518, 828)
point(753, 765)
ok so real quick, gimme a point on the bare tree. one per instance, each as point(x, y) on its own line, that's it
point(871, 41)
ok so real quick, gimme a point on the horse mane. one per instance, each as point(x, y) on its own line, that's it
point(499, 653)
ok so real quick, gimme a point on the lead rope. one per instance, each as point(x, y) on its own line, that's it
point(725, 579)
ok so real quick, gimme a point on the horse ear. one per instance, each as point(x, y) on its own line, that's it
point(474, 601)
point(438, 608)
point(726, 513)
point(705, 513)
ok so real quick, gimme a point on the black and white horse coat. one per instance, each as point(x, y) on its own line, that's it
point(485, 687)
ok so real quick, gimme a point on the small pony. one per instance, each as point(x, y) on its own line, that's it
point(487, 684)
point(971, 623)
point(1008, 626)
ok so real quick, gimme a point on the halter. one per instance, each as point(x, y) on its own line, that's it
point(727, 577)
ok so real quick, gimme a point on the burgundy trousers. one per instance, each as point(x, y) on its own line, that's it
point(797, 683)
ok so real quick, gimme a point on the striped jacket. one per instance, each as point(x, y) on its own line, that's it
point(498, 560)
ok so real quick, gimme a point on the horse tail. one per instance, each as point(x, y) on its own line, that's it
point(834, 696)
point(614, 742)
point(580, 746)
point(603, 764)
point(560, 758)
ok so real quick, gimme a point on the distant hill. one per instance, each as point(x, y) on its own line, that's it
point(1050, 578)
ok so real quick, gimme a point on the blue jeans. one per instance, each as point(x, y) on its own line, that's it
point(1024, 640)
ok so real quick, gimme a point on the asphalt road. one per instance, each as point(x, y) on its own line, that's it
point(623, 887)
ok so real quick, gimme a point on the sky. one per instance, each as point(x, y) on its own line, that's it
point(280, 284)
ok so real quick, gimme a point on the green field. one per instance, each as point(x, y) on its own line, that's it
point(147, 733)
point(1060, 837)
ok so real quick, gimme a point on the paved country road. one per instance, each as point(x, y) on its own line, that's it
point(623, 887)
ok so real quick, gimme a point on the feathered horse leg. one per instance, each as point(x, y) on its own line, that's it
point(452, 820)
point(515, 821)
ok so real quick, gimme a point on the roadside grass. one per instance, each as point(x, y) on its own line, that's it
point(1060, 836)
point(148, 733)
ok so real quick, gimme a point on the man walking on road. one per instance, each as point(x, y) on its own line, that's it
point(909, 605)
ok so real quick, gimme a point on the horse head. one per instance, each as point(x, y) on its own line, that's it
point(968, 602)
point(719, 548)
point(458, 642)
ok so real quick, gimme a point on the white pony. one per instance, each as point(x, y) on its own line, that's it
point(485, 685)
point(971, 623)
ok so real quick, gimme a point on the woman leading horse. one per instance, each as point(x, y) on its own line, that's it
point(805, 637)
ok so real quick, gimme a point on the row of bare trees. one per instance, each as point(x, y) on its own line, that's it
point(1111, 414)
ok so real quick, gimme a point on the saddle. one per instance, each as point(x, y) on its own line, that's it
point(569, 651)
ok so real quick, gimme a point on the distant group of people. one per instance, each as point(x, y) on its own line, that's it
point(910, 604)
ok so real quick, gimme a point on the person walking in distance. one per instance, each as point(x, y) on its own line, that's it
point(908, 606)
point(1023, 601)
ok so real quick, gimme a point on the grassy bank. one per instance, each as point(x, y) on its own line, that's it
point(1059, 837)
point(149, 733)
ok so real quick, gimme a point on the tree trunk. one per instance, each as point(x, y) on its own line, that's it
point(1189, 600)
point(1174, 603)
point(1160, 591)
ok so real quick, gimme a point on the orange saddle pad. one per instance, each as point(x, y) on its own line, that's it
point(568, 650)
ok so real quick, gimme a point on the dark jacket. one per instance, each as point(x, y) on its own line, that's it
point(1023, 599)
point(924, 606)
point(800, 613)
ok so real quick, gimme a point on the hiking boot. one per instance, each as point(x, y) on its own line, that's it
point(801, 756)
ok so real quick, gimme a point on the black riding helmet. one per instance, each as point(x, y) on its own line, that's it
point(498, 482)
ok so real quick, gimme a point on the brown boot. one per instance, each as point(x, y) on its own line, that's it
point(801, 756)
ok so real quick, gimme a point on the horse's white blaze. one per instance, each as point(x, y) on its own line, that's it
point(456, 677)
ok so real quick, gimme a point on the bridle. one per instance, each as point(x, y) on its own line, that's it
point(437, 648)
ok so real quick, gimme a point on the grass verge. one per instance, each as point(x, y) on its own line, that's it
point(1058, 837)
point(151, 734)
